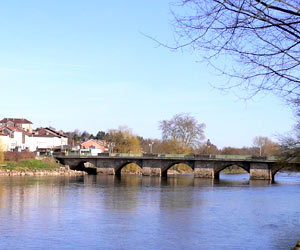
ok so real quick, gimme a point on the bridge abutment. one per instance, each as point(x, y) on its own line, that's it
point(260, 171)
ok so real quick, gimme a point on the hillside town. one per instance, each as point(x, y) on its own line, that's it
point(17, 135)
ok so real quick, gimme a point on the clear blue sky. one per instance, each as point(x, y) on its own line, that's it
point(85, 64)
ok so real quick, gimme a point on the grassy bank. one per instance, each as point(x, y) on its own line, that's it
point(33, 164)
point(181, 169)
point(290, 169)
point(233, 171)
point(132, 169)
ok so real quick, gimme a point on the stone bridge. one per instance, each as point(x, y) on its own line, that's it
point(204, 166)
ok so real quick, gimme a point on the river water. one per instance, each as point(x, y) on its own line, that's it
point(135, 212)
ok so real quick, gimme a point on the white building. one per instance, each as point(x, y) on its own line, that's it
point(43, 142)
point(18, 139)
point(12, 138)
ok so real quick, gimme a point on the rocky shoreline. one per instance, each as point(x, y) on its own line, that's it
point(62, 171)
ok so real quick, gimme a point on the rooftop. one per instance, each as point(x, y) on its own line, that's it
point(16, 120)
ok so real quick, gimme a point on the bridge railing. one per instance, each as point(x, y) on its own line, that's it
point(185, 156)
point(234, 157)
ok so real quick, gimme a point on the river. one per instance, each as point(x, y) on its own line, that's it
point(135, 212)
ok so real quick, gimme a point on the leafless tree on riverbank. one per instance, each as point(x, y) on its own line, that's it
point(183, 129)
point(262, 36)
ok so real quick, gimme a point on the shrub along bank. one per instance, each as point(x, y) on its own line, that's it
point(32, 164)
point(45, 167)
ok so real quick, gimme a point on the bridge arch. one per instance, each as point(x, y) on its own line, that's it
point(86, 165)
point(218, 169)
point(279, 167)
point(89, 166)
point(164, 171)
point(123, 165)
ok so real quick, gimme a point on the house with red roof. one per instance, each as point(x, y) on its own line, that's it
point(21, 123)
point(92, 146)
point(13, 138)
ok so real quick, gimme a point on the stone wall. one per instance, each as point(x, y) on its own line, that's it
point(18, 156)
point(62, 171)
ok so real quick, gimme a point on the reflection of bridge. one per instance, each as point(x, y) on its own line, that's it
point(204, 166)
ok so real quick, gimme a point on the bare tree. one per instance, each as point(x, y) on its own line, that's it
point(266, 146)
point(290, 143)
point(184, 129)
point(262, 36)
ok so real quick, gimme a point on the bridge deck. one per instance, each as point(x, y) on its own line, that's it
point(247, 158)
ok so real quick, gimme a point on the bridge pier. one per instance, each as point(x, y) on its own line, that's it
point(260, 171)
point(148, 171)
point(204, 170)
point(106, 171)
point(204, 173)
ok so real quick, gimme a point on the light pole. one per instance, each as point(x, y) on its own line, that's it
point(150, 145)
point(260, 150)
point(111, 148)
point(208, 144)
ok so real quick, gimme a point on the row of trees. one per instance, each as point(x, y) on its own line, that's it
point(266, 147)
point(182, 134)
point(77, 136)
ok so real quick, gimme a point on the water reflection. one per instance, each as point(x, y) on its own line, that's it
point(151, 181)
point(135, 212)
point(260, 183)
point(205, 182)
point(184, 180)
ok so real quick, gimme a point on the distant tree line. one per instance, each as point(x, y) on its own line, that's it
point(182, 134)
point(76, 137)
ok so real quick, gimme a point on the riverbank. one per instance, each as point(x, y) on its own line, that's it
point(233, 171)
point(43, 167)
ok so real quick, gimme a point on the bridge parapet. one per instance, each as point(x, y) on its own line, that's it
point(173, 156)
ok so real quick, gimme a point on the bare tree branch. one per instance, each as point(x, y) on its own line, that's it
point(261, 36)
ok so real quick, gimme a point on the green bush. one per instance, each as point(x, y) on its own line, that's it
point(45, 164)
